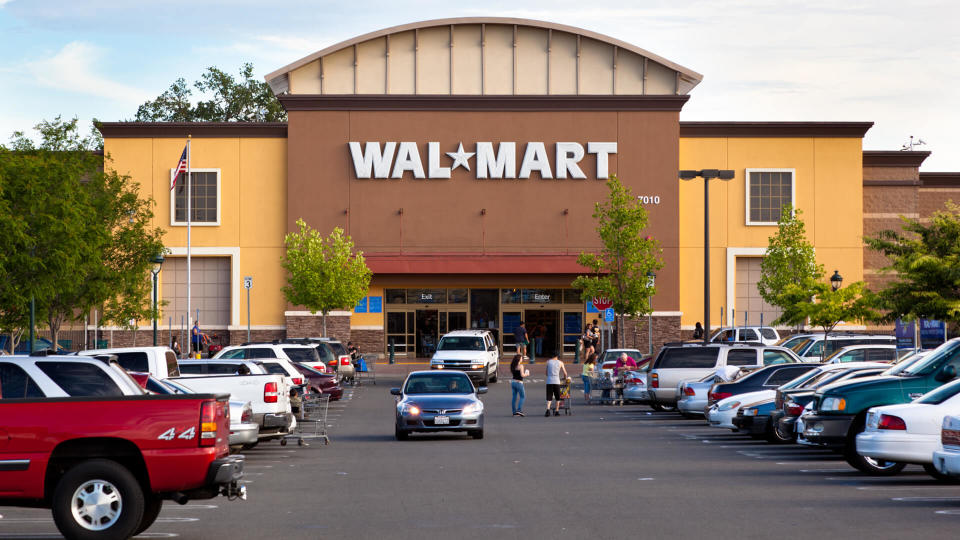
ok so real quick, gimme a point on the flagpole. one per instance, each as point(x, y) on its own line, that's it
point(189, 219)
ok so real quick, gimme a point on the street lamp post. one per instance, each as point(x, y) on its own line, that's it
point(706, 174)
point(836, 280)
point(651, 281)
point(157, 261)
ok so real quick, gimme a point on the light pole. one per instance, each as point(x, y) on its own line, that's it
point(157, 261)
point(706, 174)
point(651, 281)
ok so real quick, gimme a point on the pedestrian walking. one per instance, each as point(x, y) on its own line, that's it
point(587, 340)
point(519, 371)
point(520, 335)
point(588, 367)
point(554, 383)
point(539, 332)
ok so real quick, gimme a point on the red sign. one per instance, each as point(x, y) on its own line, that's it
point(602, 303)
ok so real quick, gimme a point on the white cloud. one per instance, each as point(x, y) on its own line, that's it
point(74, 70)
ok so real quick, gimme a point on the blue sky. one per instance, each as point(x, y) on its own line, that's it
point(894, 63)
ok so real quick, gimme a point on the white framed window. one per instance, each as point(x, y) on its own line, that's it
point(205, 200)
point(767, 190)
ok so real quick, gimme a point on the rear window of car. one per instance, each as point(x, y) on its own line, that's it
point(80, 379)
point(16, 384)
point(274, 368)
point(787, 374)
point(768, 333)
point(191, 369)
point(325, 353)
point(133, 361)
point(260, 352)
point(173, 369)
point(223, 369)
point(747, 334)
point(687, 357)
point(777, 357)
point(338, 348)
point(881, 355)
point(302, 354)
point(945, 392)
point(742, 357)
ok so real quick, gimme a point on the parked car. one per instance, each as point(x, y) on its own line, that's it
point(790, 341)
point(908, 433)
point(102, 442)
point(608, 360)
point(276, 366)
point(677, 363)
point(160, 361)
point(473, 352)
point(840, 410)
point(433, 401)
point(635, 387)
point(293, 352)
point(947, 458)
point(793, 397)
point(767, 335)
point(693, 396)
point(321, 383)
point(754, 420)
point(812, 347)
point(863, 353)
point(766, 378)
point(722, 413)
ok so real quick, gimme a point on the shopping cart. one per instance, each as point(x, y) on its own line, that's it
point(566, 396)
point(367, 369)
point(311, 420)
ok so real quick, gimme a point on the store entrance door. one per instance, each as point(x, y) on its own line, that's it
point(427, 331)
point(547, 321)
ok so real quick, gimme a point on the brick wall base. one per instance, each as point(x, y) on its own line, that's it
point(637, 335)
point(368, 341)
point(338, 326)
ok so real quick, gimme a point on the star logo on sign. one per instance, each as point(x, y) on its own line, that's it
point(460, 158)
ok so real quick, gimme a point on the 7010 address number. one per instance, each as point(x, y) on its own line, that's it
point(648, 199)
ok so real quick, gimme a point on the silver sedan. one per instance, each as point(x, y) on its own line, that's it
point(434, 401)
point(694, 395)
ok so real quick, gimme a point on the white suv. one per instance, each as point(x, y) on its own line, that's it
point(474, 352)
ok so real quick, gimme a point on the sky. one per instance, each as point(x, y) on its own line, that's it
point(896, 64)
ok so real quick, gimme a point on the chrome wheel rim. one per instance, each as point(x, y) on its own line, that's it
point(96, 505)
point(880, 464)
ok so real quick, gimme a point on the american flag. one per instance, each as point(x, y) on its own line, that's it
point(181, 168)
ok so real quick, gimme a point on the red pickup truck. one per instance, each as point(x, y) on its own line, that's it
point(104, 464)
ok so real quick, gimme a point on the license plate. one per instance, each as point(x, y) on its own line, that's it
point(441, 420)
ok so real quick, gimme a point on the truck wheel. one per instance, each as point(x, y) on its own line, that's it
point(930, 469)
point(98, 499)
point(250, 446)
point(776, 436)
point(400, 434)
point(477, 434)
point(495, 376)
point(151, 510)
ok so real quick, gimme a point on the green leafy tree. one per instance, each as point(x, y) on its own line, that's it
point(323, 274)
point(229, 100)
point(620, 268)
point(925, 262)
point(790, 260)
point(81, 235)
point(816, 301)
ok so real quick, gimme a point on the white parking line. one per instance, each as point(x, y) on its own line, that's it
point(898, 488)
point(949, 512)
point(191, 506)
point(819, 470)
point(925, 499)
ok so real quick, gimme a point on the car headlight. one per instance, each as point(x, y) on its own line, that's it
point(410, 409)
point(729, 405)
point(473, 408)
point(750, 412)
point(476, 366)
point(833, 404)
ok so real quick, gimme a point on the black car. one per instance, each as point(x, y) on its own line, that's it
point(767, 378)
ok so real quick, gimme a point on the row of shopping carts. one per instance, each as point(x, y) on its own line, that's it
point(311, 415)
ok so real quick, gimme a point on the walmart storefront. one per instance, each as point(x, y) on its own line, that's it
point(464, 157)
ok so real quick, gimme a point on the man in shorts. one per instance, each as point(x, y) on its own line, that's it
point(554, 382)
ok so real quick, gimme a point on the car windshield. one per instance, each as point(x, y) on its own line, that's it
point(439, 383)
point(801, 345)
point(801, 380)
point(461, 343)
point(941, 394)
point(926, 365)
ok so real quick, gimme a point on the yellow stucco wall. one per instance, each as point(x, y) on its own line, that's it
point(253, 208)
point(829, 191)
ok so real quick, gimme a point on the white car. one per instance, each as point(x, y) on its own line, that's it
point(910, 432)
point(947, 458)
point(767, 335)
point(722, 413)
point(474, 352)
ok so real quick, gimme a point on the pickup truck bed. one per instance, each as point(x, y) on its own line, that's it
point(270, 404)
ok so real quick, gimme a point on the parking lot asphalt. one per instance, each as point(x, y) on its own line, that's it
point(604, 472)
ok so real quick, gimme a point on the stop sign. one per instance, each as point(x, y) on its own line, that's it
point(602, 303)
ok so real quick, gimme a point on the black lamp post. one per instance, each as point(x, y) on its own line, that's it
point(651, 281)
point(706, 174)
point(836, 280)
point(157, 261)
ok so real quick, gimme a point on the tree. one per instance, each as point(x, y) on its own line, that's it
point(323, 275)
point(80, 235)
point(925, 261)
point(828, 308)
point(230, 100)
point(790, 260)
point(621, 266)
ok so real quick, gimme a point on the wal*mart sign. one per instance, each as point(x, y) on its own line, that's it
point(393, 159)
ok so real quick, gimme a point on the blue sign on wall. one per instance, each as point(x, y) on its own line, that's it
point(591, 309)
point(608, 315)
point(376, 304)
point(361, 306)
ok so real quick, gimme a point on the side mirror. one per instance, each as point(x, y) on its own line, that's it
point(493, 348)
point(395, 392)
point(947, 373)
point(482, 390)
